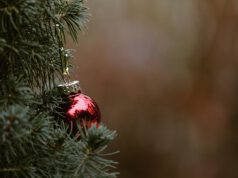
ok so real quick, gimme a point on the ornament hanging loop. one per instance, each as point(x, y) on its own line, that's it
point(64, 54)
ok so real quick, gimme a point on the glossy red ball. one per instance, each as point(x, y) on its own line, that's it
point(80, 110)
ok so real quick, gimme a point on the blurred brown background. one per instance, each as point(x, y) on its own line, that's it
point(164, 74)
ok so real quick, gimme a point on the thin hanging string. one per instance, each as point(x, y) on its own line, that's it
point(64, 55)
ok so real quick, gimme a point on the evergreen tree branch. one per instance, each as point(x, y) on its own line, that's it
point(32, 143)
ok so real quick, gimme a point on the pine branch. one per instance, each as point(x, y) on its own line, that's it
point(32, 143)
point(74, 15)
point(94, 142)
point(29, 39)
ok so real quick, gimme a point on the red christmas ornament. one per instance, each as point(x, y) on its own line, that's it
point(79, 109)
point(83, 109)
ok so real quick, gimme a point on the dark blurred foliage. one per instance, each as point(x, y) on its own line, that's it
point(165, 76)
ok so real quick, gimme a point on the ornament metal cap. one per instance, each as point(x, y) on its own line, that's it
point(69, 88)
